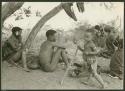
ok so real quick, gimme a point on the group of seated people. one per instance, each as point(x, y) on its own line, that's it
point(51, 52)
point(113, 50)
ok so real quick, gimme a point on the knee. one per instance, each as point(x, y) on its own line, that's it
point(94, 73)
point(33, 66)
point(49, 69)
point(63, 52)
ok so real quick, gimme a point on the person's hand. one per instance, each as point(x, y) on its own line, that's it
point(63, 46)
point(75, 41)
point(20, 46)
point(86, 53)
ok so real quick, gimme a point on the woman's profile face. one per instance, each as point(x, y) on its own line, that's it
point(114, 34)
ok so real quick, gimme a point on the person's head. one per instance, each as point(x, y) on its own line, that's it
point(50, 34)
point(97, 27)
point(99, 30)
point(113, 33)
point(16, 31)
point(88, 36)
point(108, 28)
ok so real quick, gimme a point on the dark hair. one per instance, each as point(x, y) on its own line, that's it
point(108, 28)
point(50, 32)
point(97, 27)
point(14, 29)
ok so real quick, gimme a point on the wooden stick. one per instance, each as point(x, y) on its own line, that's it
point(68, 68)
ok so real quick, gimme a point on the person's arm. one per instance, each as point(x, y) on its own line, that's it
point(13, 45)
point(94, 50)
point(55, 44)
point(91, 53)
point(80, 48)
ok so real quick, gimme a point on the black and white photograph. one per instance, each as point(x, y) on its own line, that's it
point(62, 45)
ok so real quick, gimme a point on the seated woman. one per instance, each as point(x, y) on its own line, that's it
point(117, 61)
point(110, 47)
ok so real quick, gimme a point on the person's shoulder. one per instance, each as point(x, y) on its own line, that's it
point(44, 42)
point(10, 39)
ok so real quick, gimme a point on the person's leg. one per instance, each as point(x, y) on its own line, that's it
point(88, 77)
point(65, 57)
point(14, 58)
point(50, 67)
point(87, 74)
point(96, 75)
point(33, 62)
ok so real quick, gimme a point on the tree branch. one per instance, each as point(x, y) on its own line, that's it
point(38, 26)
point(9, 8)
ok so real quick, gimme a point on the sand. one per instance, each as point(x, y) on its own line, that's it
point(16, 78)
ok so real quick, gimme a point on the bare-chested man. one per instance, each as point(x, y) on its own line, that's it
point(51, 52)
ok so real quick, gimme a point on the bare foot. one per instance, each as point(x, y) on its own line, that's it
point(84, 82)
point(26, 69)
point(10, 65)
point(104, 86)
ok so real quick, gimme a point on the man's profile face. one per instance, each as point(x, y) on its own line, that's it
point(53, 37)
point(18, 33)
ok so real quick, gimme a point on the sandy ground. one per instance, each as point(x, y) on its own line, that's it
point(15, 78)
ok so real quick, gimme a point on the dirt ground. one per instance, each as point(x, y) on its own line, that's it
point(15, 78)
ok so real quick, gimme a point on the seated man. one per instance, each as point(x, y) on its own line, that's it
point(51, 52)
point(11, 47)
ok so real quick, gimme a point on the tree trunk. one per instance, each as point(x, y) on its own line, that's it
point(35, 30)
point(9, 8)
point(38, 26)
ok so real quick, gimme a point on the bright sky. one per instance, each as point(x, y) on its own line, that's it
point(94, 14)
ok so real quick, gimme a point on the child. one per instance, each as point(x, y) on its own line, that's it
point(89, 55)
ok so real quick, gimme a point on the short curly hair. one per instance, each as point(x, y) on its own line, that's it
point(50, 32)
point(14, 29)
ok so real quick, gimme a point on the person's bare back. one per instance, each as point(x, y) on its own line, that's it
point(46, 52)
point(49, 56)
